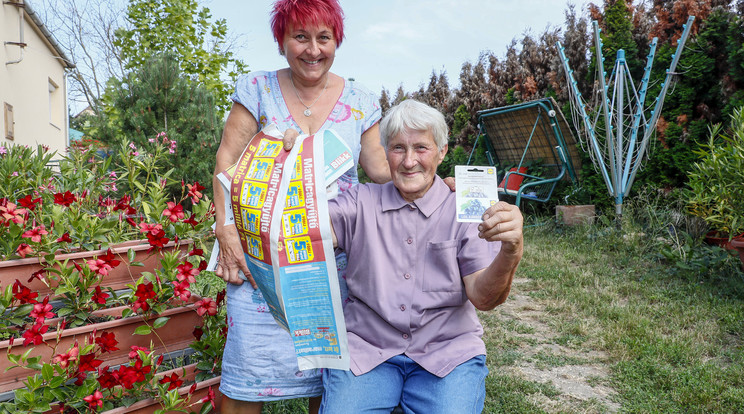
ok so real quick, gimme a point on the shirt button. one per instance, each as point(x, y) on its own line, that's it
point(409, 241)
point(407, 276)
point(405, 336)
point(402, 307)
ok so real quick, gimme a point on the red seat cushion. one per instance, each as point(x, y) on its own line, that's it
point(515, 180)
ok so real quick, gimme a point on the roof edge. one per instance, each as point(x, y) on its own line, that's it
point(47, 34)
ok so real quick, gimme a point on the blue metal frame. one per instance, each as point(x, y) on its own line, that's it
point(617, 166)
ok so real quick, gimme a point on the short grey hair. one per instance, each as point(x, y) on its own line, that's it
point(416, 116)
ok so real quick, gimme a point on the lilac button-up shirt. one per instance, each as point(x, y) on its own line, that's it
point(405, 267)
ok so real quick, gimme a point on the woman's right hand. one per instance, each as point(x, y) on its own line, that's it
point(232, 259)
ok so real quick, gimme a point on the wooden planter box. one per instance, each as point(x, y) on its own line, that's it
point(118, 277)
point(174, 336)
point(150, 405)
point(573, 215)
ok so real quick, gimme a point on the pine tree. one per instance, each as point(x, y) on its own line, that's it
point(159, 98)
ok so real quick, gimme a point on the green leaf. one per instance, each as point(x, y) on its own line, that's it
point(143, 330)
point(204, 365)
point(47, 372)
point(160, 322)
point(13, 358)
point(207, 407)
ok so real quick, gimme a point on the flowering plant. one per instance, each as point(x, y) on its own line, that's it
point(80, 205)
point(93, 202)
point(74, 375)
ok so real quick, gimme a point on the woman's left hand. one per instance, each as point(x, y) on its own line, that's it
point(503, 222)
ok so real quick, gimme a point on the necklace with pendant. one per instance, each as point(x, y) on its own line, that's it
point(307, 111)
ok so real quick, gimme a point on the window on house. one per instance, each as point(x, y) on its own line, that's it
point(8, 117)
point(56, 104)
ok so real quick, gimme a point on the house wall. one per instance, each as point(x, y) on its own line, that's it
point(39, 115)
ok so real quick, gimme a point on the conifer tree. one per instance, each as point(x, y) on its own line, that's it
point(159, 98)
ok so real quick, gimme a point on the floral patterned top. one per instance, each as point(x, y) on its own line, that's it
point(355, 112)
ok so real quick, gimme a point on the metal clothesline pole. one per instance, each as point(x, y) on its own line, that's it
point(621, 155)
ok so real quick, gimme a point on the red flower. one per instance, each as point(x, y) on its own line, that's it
point(34, 335)
point(99, 266)
point(134, 348)
point(129, 375)
point(95, 400)
point(198, 332)
point(64, 199)
point(35, 233)
point(23, 294)
point(150, 228)
point(107, 341)
point(9, 213)
point(24, 249)
point(79, 378)
point(174, 381)
point(221, 296)
point(99, 296)
point(187, 272)
point(88, 362)
point(107, 379)
point(196, 252)
point(191, 220)
point(65, 238)
point(141, 304)
point(41, 311)
point(158, 239)
point(63, 360)
point(145, 291)
point(123, 205)
point(195, 191)
point(105, 202)
point(181, 290)
point(173, 212)
point(209, 397)
point(39, 274)
point(29, 202)
point(103, 264)
point(206, 305)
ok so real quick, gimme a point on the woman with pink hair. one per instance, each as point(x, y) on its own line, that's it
point(259, 362)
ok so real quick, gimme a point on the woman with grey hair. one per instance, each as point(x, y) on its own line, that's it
point(414, 115)
point(416, 277)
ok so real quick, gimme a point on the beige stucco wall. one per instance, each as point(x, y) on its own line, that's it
point(40, 116)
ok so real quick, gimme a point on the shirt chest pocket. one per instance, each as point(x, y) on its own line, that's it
point(441, 272)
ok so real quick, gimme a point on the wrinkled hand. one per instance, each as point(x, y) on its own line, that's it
point(290, 136)
point(232, 258)
point(503, 222)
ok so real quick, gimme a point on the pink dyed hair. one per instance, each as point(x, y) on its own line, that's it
point(306, 12)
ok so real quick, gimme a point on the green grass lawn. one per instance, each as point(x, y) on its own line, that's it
point(672, 340)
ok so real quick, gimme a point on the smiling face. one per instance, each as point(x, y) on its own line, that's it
point(413, 158)
point(310, 51)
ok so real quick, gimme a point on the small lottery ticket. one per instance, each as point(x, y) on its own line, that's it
point(476, 189)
